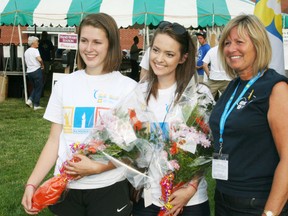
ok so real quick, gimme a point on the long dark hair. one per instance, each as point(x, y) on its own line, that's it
point(185, 71)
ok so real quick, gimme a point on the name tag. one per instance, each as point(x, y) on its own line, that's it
point(220, 166)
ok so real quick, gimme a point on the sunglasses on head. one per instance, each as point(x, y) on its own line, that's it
point(177, 28)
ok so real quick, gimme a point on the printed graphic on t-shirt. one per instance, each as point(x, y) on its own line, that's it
point(102, 97)
point(246, 100)
point(200, 54)
point(99, 113)
point(83, 118)
point(68, 116)
point(80, 120)
point(165, 130)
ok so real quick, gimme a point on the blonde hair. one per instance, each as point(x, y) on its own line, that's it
point(248, 25)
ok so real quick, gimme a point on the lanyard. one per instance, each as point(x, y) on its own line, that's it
point(228, 108)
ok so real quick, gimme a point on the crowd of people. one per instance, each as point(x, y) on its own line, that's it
point(247, 122)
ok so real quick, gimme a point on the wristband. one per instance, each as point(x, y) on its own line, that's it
point(32, 185)
point(193, 185)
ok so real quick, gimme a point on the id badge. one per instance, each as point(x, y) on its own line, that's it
point(220, 166)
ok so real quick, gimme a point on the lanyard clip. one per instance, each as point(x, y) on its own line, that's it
point(221, 144)
point(220, 150)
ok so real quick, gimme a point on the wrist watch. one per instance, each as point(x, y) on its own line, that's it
point(269, 213)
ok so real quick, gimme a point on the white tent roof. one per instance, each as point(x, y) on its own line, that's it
point(126, 12)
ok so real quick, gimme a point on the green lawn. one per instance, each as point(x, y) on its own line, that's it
point(23, 132)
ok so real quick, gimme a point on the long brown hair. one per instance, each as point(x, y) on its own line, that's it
point(105, 22)
point(185, 71)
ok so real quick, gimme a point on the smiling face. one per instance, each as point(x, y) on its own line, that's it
point(93, 48)
point(240, 54)
point(165, 55)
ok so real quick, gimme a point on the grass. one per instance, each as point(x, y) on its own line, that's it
point(23, 133)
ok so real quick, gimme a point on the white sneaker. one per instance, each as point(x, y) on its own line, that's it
point(38, 107)
point(29, 103)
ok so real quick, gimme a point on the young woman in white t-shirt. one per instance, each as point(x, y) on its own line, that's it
point(76, 102)
point(172, 66)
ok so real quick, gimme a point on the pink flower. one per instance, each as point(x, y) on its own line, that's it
point(174, 164)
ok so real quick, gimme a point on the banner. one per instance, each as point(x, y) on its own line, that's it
point(67, 41)
point(269, 12)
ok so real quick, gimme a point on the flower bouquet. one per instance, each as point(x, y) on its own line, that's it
point(189, 148)
point(50, 191)
point(123, 137)
point(130, 129)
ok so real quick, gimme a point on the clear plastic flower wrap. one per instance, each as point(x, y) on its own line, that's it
point(129, 127)
point(188, 146)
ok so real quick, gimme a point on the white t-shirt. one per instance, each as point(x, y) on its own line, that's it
point(31, 61)
point(216, 72)
point(76, 102)
point(145, 60)
point(160, 108)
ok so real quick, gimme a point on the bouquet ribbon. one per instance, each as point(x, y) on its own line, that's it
point(167, 188)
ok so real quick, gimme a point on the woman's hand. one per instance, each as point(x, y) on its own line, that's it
point(85, 167)
point(27, 200)
point(179, 199)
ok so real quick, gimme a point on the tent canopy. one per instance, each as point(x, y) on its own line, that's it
point(195, 13)
point(285, 21)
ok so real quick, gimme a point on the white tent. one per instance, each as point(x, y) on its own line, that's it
point(189, 13)
point(126, 12)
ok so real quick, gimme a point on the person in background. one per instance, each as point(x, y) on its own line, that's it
point(172, 66)
point(100, 188)
point(34, 65)
point(218, 78)
point(134, 55)
point(47, 54)
point(125, 54)
point(125, 64)
point(249, 127)
point(144, 64)
point(202, 50)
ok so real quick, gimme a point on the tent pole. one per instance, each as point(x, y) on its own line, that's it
point(147, 37)
point(23, 64)
point(144, 30)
